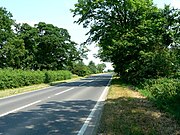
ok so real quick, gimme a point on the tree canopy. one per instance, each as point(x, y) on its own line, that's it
point(38, 47)
point(135, 35)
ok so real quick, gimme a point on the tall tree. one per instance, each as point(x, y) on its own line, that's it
point(6, 23)
point(13, 52)
point(30, 37)
point(55, 48)
point(130, 34)
point(101, 67)
point(92, 67)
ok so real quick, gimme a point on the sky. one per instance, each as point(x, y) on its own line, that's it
point(57, 12)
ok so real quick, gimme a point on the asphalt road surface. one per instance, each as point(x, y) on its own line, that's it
point(65, 109)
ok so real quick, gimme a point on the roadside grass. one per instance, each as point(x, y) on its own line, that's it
point(14, 91)
point(127, 112)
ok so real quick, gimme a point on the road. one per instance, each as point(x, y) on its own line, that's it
point(65, 109)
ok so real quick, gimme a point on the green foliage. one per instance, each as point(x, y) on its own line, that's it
point(164, 90)
point(39, 47)
point(52, 76)
point(6, 23)
point(136, 36)
point(10, 78)
point(141, 40)
point(92, 67)
point(80, 69)
point(12, 53)
point(151, 65)
point(101, 67)
point(55, 49)
point(16, 78)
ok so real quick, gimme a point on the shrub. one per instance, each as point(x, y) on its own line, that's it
point(164, 90)
point(16, 78)
point(57, 75)
point(81, 70)
point(10, 78)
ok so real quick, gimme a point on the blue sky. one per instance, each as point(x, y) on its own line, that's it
point(57, 12)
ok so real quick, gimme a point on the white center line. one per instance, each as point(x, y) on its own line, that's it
point(22, 107)
point(63, 91)
point(33, 103)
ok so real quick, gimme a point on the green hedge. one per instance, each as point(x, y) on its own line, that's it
point(52, 76)
point(164, 90)
point(17, 78)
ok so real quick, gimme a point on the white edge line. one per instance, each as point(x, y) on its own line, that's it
point(83, 84)
point(63, 91)
point(101, 98)
point(22, 107)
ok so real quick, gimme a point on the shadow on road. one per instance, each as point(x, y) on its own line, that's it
point(92, 81)
point(51, 118)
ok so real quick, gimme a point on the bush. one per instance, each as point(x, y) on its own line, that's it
point(164, 90)
point(10, 78)
point(81, 70)
point(16, 78)
point(57, 75)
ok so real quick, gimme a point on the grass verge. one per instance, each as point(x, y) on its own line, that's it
point(10, 92)
point(127, 112)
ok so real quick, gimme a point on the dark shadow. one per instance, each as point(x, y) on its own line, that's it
point(51, 118)
point(92, 81)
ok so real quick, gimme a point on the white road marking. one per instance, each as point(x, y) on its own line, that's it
point(63, 91)
point(89, 118)
point(83, 84)
point(25, 106)
point(22, 107)
point(86, 82)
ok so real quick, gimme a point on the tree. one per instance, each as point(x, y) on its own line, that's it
point(13, 52)
point(80, 69)
point(6, 32)
point(101, 67)
point(130, 33)
point(92, 67)
point(38, 47)
point(30, 37)
point(6, 24)
point(55, 49)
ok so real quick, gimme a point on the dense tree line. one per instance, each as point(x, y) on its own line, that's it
point(38, 47)
point(41, 47)
point(141, 40)
point(81, 69)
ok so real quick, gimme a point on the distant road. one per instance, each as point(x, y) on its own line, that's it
point(66, 109)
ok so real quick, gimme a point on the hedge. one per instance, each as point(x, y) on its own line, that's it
point(164, 90)
point(52, 76)
point(10, 78)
